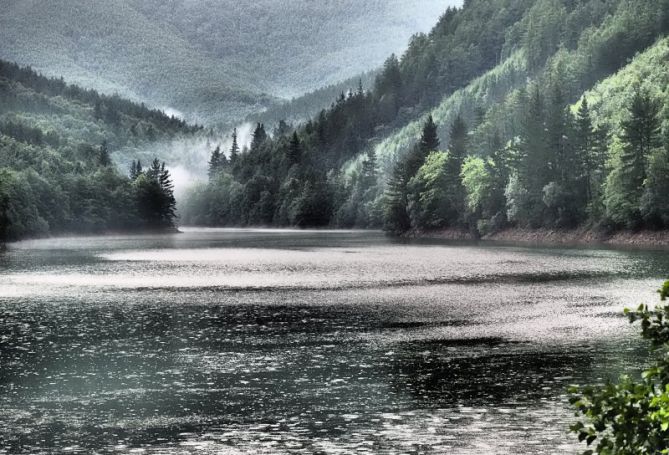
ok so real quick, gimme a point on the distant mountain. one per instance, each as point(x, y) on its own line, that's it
point(308, 105)
point(209, 60)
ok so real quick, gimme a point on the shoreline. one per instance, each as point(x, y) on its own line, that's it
point(579, 236)
point(83, 235)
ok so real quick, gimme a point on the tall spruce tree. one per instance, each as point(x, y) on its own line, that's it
point(457, 152)
point(429, 142)
point(640, 135)
point(584, 148)
point(259, 137)
point(294, 151)
point(103, 154)
point(234, 148)
point(216, 163)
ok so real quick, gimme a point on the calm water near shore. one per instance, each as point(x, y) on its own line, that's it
point(259, 341)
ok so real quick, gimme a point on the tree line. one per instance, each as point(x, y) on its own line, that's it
point(522, 159)
point(53, 180)
point(560, 172)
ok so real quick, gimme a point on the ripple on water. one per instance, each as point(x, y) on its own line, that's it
point(262, 342)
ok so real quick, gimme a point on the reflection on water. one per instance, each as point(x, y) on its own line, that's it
point(226, 341)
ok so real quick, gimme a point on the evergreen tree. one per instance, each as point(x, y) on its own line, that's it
point(457, 148)
point(429, 142)
point(457, 151)
point(533, 160)
point(396, 216)
point(155, 196)
point(584, 148)
point(368, 175)
point(294, 151)
point(103, 155)
point(133, 170)
point(234, 149)
point(259, 137)
point(640, 135)
point(216, 162)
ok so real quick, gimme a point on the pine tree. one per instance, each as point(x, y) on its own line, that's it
point(234, 149)
point(457, 152)
point(259, 137)
point(397, 219)
point(103, 155)
point(216, 163)
point(97, 110)
point(458, 141)
point(533, 160)
point(641, 134)
point(155, 196)
point(281, 129)
point(294, 151)
point(584, 148)
point(133, 170)
point(368, 175)
point(429, 141)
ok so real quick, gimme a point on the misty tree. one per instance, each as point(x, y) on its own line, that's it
point(155, 196)
point(259, 137)
point(294, 151)
point(234, 148)
point(217, 162)
point(103, 154)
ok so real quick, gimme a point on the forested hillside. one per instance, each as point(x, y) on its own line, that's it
point(480, 125)
point(56, 169)
point(210, 60)
point(308, 105)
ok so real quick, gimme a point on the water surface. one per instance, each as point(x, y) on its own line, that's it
point(232, 341)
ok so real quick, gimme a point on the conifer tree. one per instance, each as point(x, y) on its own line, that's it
point(585, 149)
point(429, 142)
point(458, 141)
point(216, 162)
point(369, 170)
point(294, 151)
point(457, 152)
point(104, 158)
point(259, 137)
point(641, 134)
point(234, 149)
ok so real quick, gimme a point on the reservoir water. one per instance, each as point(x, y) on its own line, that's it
point(292, 342)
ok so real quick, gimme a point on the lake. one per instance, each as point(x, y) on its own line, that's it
point(333, 342)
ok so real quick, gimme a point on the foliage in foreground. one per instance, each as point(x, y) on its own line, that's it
point(630, 417)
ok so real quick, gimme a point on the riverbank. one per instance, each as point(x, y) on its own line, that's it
point(91, 234)
point(582, 236)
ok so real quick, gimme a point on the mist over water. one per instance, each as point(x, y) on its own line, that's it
point(258, 341)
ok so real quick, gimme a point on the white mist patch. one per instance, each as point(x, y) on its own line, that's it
point(183, 179)
point(187, 158)
point(244, 136)
point(171, 112)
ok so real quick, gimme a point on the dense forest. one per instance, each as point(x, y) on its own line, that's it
point(302, 108)
point(56, 170)
point(495, 118)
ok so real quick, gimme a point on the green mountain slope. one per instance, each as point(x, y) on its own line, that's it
point(471, 128)
point(56, 169)
point(648, 71)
